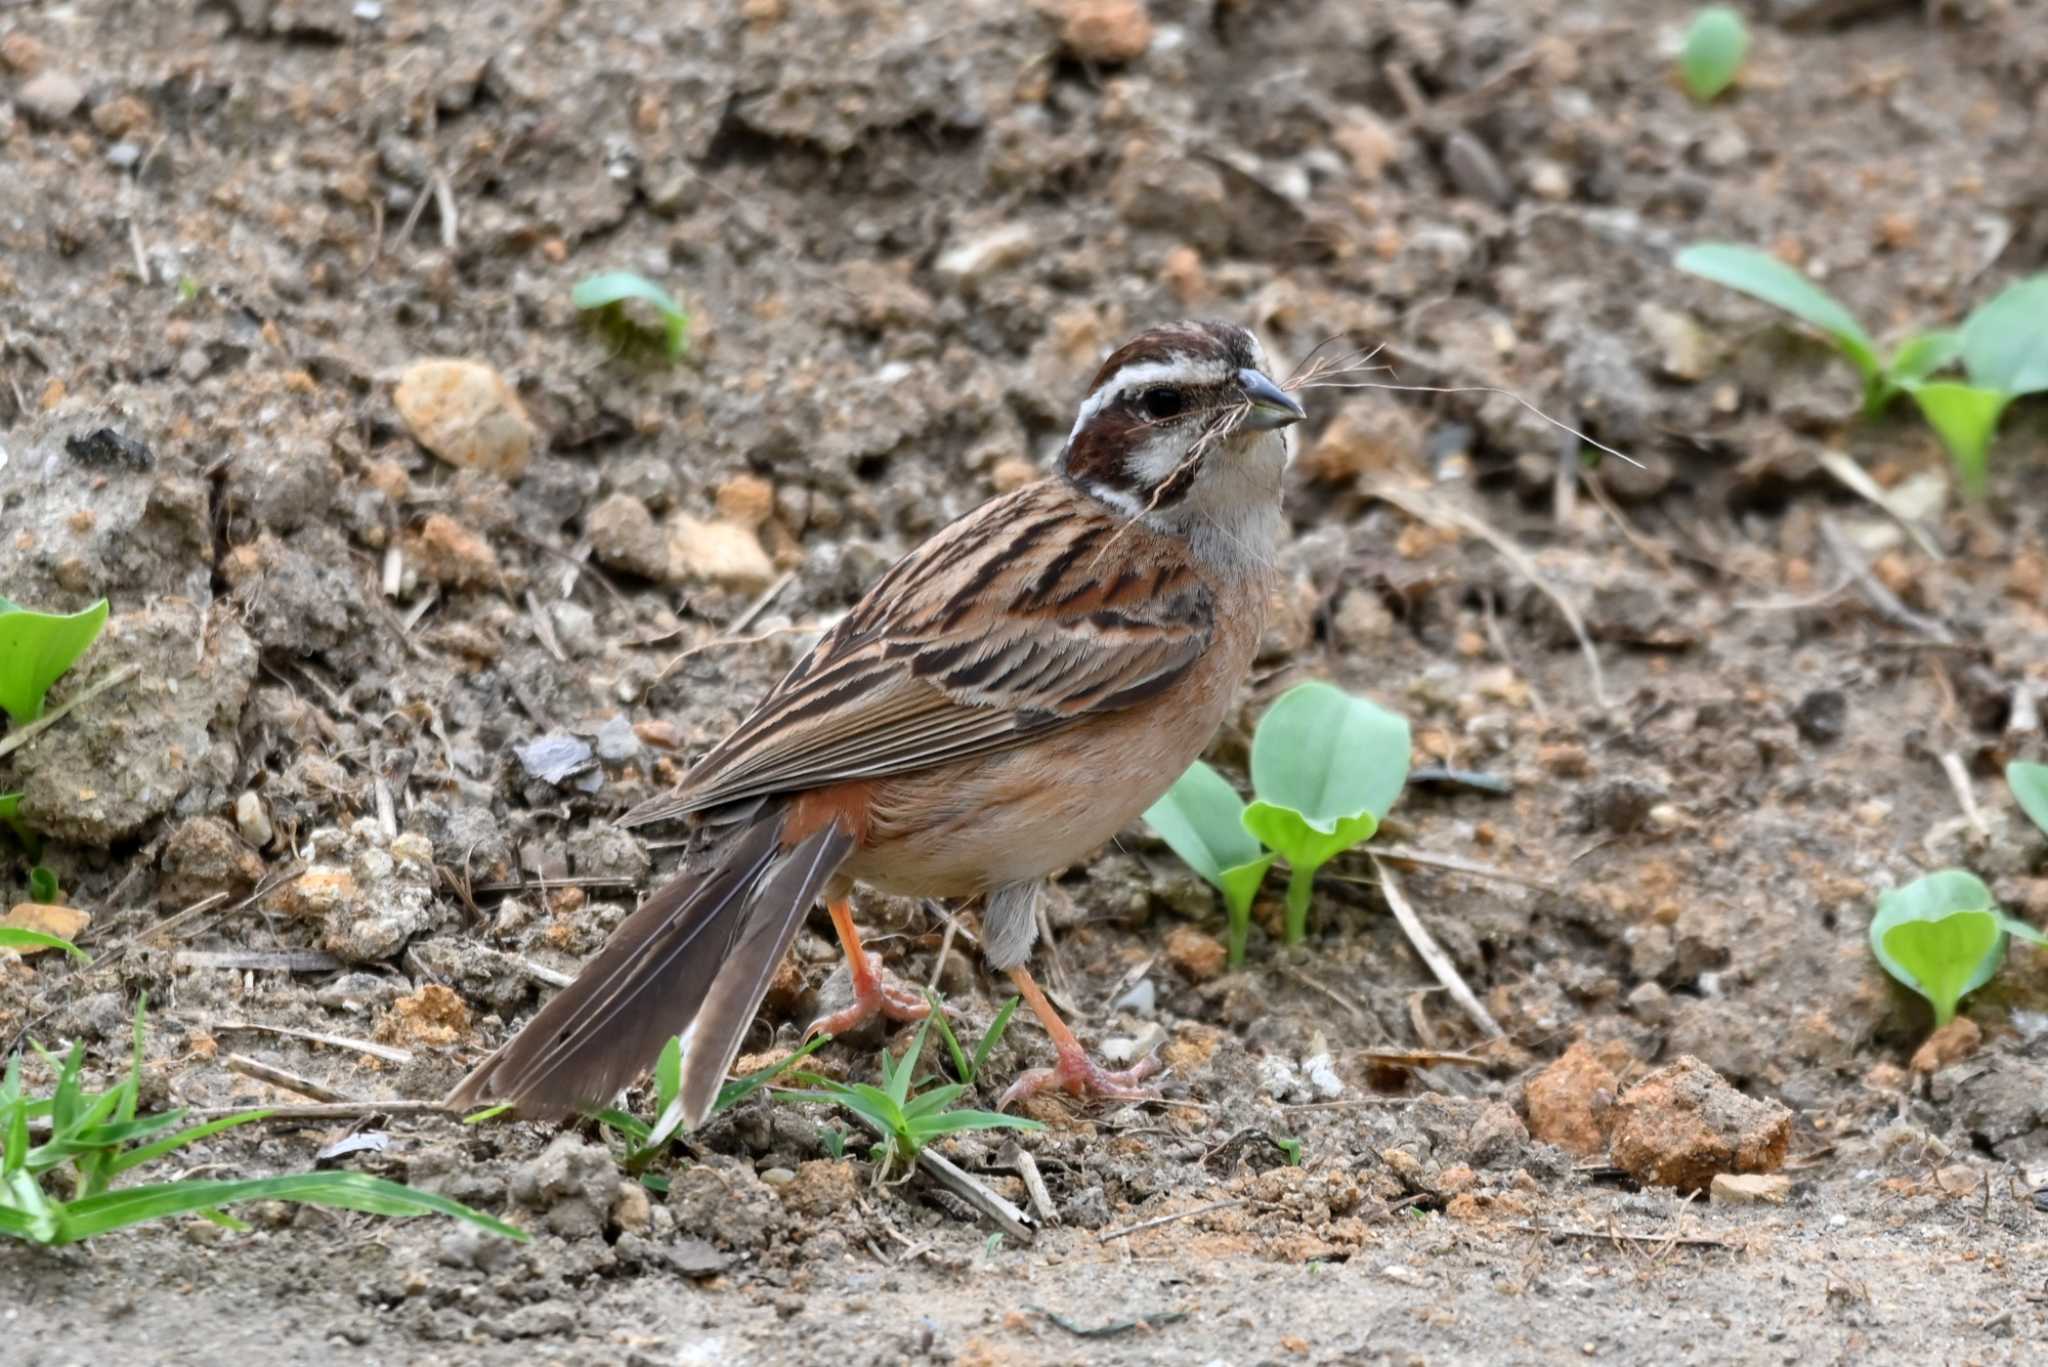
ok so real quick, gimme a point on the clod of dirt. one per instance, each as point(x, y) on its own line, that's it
point(722, 1200)
point(299, 597)
point(1571, 1102)
point(1952, 1043)
point(166, 735)
point(1749, 1188)
point(1106, 32)
point(466, 414)
point(435, 1015)
point(64, 922)
point(746, 500)
point(821, 1187)
point(624, 537)
point(1683, 1123)
point(2001, 1102)
point(451, 554)
point(725, 553)
point(374, 902)
point(202, 857)
point(573, 1184)
point(50, 98)
point(1822, 715)
point(1199, 957)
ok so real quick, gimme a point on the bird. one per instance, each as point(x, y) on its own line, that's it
point(1002, 702)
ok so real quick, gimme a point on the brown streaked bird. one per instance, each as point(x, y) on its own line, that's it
point(1005, 699)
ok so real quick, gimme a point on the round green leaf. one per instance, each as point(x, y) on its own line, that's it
point(1241, 883)
point(1939, 935)
point(2029, 784)
point(1329, 757)
point(1199, 819)
point(616, 287)
point(1305, 845)
point(1715, 45)
point(35, 650)
point(1964, 417)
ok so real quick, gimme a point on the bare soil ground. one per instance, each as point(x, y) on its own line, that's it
point(905, 232)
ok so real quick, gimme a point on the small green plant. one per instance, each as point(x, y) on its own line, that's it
point(643, 1144)
point(1715, 44)
point(20, 937)
point(966, 1069)
point(608, 293)
point(35, 650)
point(1942, 936)
point(1325, 768)
point(1201, 819)
point(1290, 1148)
point(2029, 784)
point(42, 886)
point(100, 1138)
point(2002, 348)
point(10, 817)
point(906, 1122)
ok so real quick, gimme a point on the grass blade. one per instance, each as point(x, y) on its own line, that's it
point(337, 1190)
point(1760, 275)
point(992, 1038)
point(149, 1153)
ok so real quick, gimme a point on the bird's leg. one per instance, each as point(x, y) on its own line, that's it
point(1075, 1073)
point(871, 996)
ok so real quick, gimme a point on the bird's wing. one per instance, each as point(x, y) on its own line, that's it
point(1032, 613)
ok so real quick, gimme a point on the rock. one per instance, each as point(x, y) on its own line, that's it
point(435, 1016)
point(721, 1200)
point(573, 1184)
point(1747, 1189)
point(1822, 715)
point(624, 537)
point(297, 597)
point(144, 745)
point(555, 757)
point(1682, 348)
point(451, 554)
point(1571, 1102)
point(820, 1188)
point(1952, 1043)
point(63, 922)
point(1682, 1124)
point(369, 898)
point(203, 856)
point(1198, 956)
point(966, 264)
point(22, 54)
point(252, 821)
point(724, 553)
point(1362, 621)
point(632, 1209)
point(746, 501)
point(50, 98)
point(1107, 32)
point(1365, 439)
point(120, 116)
point(466, 414)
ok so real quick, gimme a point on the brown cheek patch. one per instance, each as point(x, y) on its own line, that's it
point(1098, 451)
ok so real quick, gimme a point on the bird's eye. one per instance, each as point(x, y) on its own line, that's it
point(1162, 402)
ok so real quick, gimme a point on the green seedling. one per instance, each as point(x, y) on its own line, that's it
point(20, 937)
point(1289, 1146)
point(35, 650)
point(608, 294)
point(1715, 45)
point(1325, 768)
point(2002, 348)
point(1201, 819)
point(905, 1122)
point(101, 1138)
point(2029, 784)
point(647, 1141)
point(10, 817)
point(967, 1069)
point(1942, 936)
point(43, 888)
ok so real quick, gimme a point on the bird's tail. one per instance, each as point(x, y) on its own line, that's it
point(694, 960)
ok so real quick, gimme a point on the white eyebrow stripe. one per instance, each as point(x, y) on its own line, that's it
point(1179, 367)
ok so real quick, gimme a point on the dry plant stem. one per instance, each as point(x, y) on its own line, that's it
point(1618, 1236)
point(1966, 797)
point(1144, 1225)
point(1883, 599)
point(963, 1184)
point(1433, 954)
point(1407, 854)
point(324, 1110)
point(354, 1046)
point(16, 739)
point(258, 961)
point(1857, 480)
point(280, 1077)
point(1034, 1184)
point(1427, 510)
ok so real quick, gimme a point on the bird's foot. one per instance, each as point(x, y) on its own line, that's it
point(1080, 1076)
point(872, 997)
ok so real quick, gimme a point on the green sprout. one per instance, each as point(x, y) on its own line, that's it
point(1942, 936)
point(2002, 348)
point(1201, 819)
point(2029, 784)
point(101, 1138)
point(1715, 45)
point(43, 888)
point(21, 937)
point(968, 1069)
point(1290, 1148)
point(608, 293)
point(35, 650)
point(1325, 768)
point(906, 1123)
point(645, 1141)
point(10, 817)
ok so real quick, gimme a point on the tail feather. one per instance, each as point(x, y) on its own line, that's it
point(660, 968)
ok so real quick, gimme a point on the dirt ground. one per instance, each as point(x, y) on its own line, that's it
point(905, 233)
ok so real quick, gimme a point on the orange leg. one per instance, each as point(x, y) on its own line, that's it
point(871, 996)
point(1075, 1073)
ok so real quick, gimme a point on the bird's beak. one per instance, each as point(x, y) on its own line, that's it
point(1272, 406)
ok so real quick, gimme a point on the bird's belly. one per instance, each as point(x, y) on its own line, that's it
point(960, 830)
